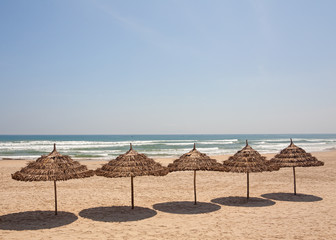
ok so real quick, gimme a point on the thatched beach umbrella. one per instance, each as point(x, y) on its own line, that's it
point(247, 161)
point(131, 164)
point(195, 161)
point(53, 167)
point(293, 156)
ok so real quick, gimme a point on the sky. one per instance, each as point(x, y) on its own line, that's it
point(167, 67)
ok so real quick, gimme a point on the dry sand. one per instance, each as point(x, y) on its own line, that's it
point(98, 208)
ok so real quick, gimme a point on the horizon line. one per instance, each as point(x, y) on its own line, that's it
point(139, 134)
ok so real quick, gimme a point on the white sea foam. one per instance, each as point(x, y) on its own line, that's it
point(272, 140)
point(178, 144)
point(22, 157)
point(217, 142)
point(162, 148)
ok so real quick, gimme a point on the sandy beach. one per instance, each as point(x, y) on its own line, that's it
point(98, 207)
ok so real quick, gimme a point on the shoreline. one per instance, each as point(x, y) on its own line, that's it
point(95, 163)
point(221, 156)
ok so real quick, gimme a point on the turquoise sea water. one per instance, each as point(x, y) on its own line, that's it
point(110, 146)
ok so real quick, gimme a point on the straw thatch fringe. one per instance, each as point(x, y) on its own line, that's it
point(294, 156)
point(194, 161)
point(131, 164)
point(248, 160)
point(52, 167)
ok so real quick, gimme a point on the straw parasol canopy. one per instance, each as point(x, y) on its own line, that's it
point(53, 167)
point(131, 164)
point(294, 156)
point(248, 160)
point(195, 161)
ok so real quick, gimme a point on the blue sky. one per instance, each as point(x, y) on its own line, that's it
point(167, 67)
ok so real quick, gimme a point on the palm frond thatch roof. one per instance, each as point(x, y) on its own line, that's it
point(131, 164)
point(194, 161)
point(294, 156)
point(52, 167)
point(248, 160)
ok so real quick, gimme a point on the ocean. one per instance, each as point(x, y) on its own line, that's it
point(156, 146)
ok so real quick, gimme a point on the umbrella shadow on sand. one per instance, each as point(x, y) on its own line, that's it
point(243, 202)
point(117, 213)
point(34, 220)
point(186, 207)
point(290, 197)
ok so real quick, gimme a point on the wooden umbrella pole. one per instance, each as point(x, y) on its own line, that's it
point(195, 186)
point(55, 197)
point(294, 181)
point(132, 189)
point(248, 186)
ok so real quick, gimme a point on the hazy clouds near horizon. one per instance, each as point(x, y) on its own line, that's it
point(165, 67)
